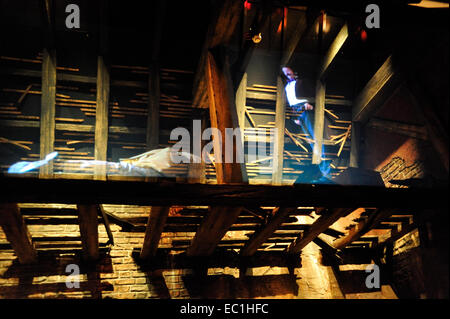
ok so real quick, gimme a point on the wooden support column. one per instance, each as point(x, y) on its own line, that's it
point(221, 106)
point(48, 102)
point(17, 233)
point(155, 225)
point(88, 221)
point(355, 145)
point(319, 121)
point(319, 226)
point(154, 92)
point(241, 100)
point(280, 118)
point(101, 118)
point(259, 237)
point(102, 105)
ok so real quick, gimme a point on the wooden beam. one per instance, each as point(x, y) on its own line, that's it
point(376, 92)
point(64, 77)
point(48, 102)
point(155, 225)
point(319, 121)
point(330, 56)
point(221, 109)
point(17, 233)
point(101, 118)
point(395, 127)
point(355, 144)
point(224, 20)
point(298, 33)
point(88, 221)
point(438, 135)
point(280, 119)
point(259, 237)
point(319, 226)
point(241, 100)
point(362, 228)
point(171, 192)
point(154, 93)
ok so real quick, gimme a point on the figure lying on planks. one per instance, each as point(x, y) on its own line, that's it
point(155, 163)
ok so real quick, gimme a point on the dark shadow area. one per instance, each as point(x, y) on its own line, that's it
point(202, 285)
point(55, 263)
point(229, 287)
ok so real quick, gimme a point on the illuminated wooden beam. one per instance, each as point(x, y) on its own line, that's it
point(297, 35)
point(223, 115)
point(155, 225)
point(101, 118)
point(259, 237)
point(330, 56)
point(17, 233)
point(376, 92)
point(224, 20)
point(88, 222)
point(362, 228)
point(319, 226)
point(48, 102)
point(319, 121)
point(280, 119)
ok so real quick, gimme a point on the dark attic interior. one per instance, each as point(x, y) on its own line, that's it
point(162, 150)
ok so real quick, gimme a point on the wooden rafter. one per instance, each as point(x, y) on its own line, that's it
point(320, 225)
point(376, 92)
point(362, 228)
point(17, 233)
point(260, 236)
point(330, 56)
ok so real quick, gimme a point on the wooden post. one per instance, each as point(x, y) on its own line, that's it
point(48, 102)
point(88, 221)
point(155, 225)
point(153, 107)
point(260, 236)
point(319, 226)
point(280, 118)
point(102, 103)
point(241, 100)
point(101, 118)
point(319, 119)
point(221, 106)
point(17, 233)
point(355, 144)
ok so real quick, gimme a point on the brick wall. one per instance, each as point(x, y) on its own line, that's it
point(397, 169)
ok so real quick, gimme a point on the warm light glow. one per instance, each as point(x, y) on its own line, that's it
point(247, 5)
point(257, 38)
point(430, 4)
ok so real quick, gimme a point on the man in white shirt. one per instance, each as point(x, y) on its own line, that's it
point(305, 119)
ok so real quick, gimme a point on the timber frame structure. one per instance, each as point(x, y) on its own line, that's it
point(214, 199)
